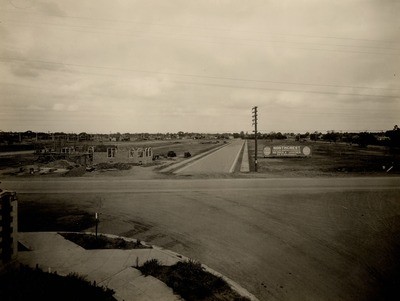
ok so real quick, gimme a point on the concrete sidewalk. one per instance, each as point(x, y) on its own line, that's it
point(245, 167)
point(112, 268)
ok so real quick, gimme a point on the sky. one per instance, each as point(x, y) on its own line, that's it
point(199, 66)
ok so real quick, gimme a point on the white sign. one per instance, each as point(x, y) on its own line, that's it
point(287, 151)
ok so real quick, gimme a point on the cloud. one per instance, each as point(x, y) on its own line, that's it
point(63, 107)
point(221, 58)
point(290, 100)
point(72, 107)
point(21, 67)
point(51, 9)
point(35, 108)
point(24, 71)
point(129, 88)
point(58, 107)
point(21, 4)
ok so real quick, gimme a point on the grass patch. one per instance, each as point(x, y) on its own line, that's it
point(90, 242)
point(117, 166)
point(25, 283)
point(330, 159)
point(35, 217)
point(191, 281)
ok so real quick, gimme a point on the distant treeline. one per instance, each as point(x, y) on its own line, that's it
point(390, 138)
point(10, 141)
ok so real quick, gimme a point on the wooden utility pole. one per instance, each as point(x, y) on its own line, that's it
point(255, 119)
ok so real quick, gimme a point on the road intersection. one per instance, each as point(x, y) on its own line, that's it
point(281, 239)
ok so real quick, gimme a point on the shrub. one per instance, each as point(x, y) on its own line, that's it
point(25, 283)
point(150, 267)
point(89, 242)
point(191, 281)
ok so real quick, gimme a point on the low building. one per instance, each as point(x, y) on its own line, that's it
point(113, 154)
point(8, 227)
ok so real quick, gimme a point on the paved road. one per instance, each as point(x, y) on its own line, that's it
point(221, 161)
point(282, 239)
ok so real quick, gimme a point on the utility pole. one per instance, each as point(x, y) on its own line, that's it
point(255, 119)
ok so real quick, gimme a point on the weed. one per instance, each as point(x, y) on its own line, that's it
point(191, 281)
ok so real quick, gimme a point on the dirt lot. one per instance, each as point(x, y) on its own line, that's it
point(29, 165)
point(327, 159)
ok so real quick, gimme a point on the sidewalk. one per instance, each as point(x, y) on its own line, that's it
point(245, 167)
point(112, 268)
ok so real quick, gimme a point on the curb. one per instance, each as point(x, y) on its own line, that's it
point(234, 286)
point(233, 167)
point(245, 167)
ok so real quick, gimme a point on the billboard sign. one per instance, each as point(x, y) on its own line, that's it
point(287, 151)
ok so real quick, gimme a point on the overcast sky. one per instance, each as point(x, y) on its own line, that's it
point(166, 66)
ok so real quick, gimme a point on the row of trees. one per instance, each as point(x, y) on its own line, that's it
point(390, 138)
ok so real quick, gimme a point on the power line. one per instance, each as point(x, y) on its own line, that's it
point(8, 59)
point(288, 90)
point(205, 27)
point(256, 88)
point(20, 7)
point(198, 36)
point(162, 35)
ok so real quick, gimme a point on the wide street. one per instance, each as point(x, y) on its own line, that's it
point(222, 160)
point(281, 239)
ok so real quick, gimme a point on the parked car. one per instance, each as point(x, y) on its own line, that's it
point(171, 154)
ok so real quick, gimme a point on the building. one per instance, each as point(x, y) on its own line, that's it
point(114, 154)
point(8, 227)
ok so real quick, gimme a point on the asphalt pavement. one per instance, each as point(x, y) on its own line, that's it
point(222, 160)
point(281, 239)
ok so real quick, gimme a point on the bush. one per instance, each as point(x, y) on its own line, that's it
point(25, 283)
point(150, 267)
point(119, 166)
point(191, 281)
point(90, 242)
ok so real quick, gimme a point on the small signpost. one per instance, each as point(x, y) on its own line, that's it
point(274, 151)
point(97, 222)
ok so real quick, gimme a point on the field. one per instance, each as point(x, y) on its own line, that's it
point(324, 227)
point(327, 159)
point(20, 165)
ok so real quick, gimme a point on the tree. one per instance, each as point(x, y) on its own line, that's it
point(394, 136)
point(331, 136)
point(314, 136)
point(365, 139)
